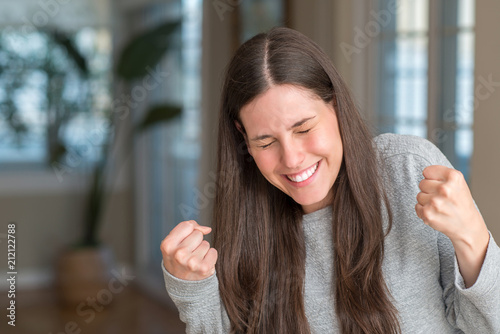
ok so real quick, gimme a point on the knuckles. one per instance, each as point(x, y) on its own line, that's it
point(193, 264)
point(205, 269)
point(435, 204)
point(180, 259)
point(166, 247)
point(444, 190)
point(180, 255)
point(197, 233)
point(427, 214)
point(188, 225)
point(455, 175)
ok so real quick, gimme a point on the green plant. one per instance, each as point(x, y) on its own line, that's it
point(140, 54)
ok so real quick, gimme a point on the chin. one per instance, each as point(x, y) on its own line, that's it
point(310, 202)
point(316, 201)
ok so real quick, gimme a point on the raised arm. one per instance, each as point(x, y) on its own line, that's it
point(189, 272)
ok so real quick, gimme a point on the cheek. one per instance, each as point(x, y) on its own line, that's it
point(265, 161)
point(326, 144)
point(320, 143)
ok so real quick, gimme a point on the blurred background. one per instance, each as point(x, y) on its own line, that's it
point(108, 116)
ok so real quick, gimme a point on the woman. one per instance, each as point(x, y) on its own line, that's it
point(318, 226)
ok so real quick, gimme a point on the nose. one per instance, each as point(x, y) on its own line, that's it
point(292, 155)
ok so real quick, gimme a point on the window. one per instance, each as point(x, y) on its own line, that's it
point(51, 108)
point(424, 81)
point(402, 65)
point(258, 16)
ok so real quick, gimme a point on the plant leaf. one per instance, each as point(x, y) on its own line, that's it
point(145, 51)
point(65, 42)
point(159, 114)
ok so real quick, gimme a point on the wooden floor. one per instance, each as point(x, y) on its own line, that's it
point(130, 312)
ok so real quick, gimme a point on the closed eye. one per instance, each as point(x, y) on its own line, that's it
point(267, 145)
point(305, 131)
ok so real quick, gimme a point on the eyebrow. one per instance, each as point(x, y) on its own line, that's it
point(296, 125)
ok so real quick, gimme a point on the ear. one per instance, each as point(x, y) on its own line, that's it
point(241, 129)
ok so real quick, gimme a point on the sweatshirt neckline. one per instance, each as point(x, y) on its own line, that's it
point(317, 215)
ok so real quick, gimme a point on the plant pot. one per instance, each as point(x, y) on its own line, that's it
point(82, 273)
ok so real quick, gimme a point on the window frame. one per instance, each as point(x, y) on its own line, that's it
point(437, 75)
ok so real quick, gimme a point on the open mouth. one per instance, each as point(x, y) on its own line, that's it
point(304, 175)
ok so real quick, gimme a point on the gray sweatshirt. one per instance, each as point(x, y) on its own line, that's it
point(420, 267)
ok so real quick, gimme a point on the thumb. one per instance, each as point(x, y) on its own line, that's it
point(203, 229)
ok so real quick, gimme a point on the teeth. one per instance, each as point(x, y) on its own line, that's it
point(304, 176)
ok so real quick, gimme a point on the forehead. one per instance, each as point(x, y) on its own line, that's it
point(281, 105)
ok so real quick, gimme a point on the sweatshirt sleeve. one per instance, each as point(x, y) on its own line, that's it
point(475, 309)
point(199, 303)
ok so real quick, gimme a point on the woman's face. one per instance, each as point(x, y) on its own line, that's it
point(294, 138)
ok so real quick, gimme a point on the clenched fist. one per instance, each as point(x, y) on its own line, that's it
point(186, 255)
point(445, 203)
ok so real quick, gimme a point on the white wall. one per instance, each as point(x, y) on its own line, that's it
point(485, 173)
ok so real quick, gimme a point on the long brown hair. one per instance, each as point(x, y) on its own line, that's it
point(258, 229)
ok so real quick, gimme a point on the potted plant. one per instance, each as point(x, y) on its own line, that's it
point(84, 269)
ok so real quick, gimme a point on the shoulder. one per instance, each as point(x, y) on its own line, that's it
point(390, 146)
